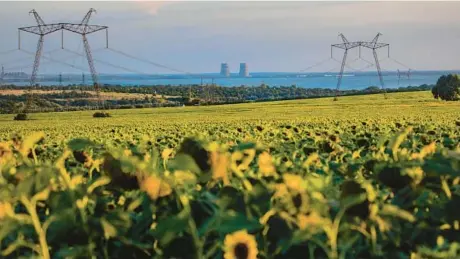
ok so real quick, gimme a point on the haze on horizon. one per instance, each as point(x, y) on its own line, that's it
point(268, 36)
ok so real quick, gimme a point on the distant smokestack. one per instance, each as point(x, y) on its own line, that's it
point(244, 70)
point(224, 70)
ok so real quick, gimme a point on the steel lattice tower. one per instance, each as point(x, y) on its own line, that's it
point(83, 28)
point(2, 76)
point(346, 46)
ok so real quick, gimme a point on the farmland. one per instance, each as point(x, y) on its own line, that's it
point(104, 95)
point(362, 177)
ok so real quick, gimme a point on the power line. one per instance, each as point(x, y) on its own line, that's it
point(394, 60)
point(57, 61)
point(148, 61)
point(23, 59)
point(8, 51)
point(110, 64)
point(315, 65)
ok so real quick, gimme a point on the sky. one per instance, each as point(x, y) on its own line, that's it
point(269, 36)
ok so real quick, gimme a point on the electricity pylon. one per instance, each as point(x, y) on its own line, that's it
point(2, 76)
point(41, 30)
point(82, 28)
point(346, 45)
point(403, 73)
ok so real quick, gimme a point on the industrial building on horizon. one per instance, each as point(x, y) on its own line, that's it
point(224, 70)
point(244, 70)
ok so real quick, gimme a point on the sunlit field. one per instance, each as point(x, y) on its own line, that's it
point(361, 177)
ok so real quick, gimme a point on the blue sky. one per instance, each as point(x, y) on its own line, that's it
point(269, 36)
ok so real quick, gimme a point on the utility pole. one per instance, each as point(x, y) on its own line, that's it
point(83, 28)
point(373, 45)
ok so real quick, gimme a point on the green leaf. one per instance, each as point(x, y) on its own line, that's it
point(167, 228)
point(73, 252)
point(233, 221)
point(8, 226)
point(391, 210)
point(398, 140)
point(109, 230)
point(13, 247)
point(120, 220)
point(352, 200)
point(244, 146)
point(184, 162)
point(79, 144)
point(101, 181)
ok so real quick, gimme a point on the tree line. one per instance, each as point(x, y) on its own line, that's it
point(79, 97)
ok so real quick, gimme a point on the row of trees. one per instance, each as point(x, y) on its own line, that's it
point(446, 88)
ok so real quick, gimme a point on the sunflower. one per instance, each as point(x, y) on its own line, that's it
point(154, 186)
point(240, 245)
point(6, 210)
point(300, 202)
point(295, 183)
point(292, 202)
point(311, 221)
point(266, 166)
point(5, 153)
point(219, 165)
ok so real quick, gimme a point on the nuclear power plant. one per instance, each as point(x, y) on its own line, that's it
point(243, 70)
point(224, 70)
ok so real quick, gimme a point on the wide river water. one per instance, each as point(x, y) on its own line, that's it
point(358, 80)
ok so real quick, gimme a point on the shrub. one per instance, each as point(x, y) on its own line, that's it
point(101, 115)
point(447, 88)
point(20, 117)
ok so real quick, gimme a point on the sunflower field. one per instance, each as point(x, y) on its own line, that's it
point(363, 177)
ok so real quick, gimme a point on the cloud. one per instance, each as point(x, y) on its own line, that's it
point(267, 35)
point(151, 7)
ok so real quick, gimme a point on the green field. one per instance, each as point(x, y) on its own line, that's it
point(418, 107)
point(361, 177)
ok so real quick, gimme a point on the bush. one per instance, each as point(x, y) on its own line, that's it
point(101, 115)
point(20, 117)
point(447, 88)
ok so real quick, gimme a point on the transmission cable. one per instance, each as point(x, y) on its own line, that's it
point(148, 61)
point(8, 51)
point(27, 58)
point(110, 64)
point(394, 60)
point(315, 65)
point(46, 62)
point(57, 61)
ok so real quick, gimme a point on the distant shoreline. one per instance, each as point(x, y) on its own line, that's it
point(351, 80)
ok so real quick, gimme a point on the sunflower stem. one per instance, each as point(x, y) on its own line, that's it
point(311, 252)
point(212, 250)
point(69, 186)
point(31, 209)
point(196, 239)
